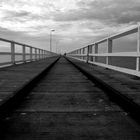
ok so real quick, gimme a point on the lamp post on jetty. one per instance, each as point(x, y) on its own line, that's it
point(51, 39)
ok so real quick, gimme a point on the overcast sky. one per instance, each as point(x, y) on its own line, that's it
point(76, 22)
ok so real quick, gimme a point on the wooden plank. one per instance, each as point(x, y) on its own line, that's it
point(64, 114)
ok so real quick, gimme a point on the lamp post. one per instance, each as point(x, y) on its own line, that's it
point(57, 42)
point(51, 39)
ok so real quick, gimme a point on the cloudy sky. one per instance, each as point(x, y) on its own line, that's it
point(76, 22)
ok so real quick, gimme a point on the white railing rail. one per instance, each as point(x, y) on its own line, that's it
point(33, 53)
point(90, 53)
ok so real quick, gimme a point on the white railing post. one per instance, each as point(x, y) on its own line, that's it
point(109, 49)
point(88, 47)
point(38, 52)
point(77, 53)
point(35, 54)
point(138, 50)
point(31, 53)
point(27, 53)
point(45, 54)
point(84, 53)
point(80, 53)
point(42, 54)
point(13, 52)
point(23, 53)
point(96, 51)
point(90, 52)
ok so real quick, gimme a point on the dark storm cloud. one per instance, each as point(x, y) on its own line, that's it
point(109, 11)
point(17, 14)
point(75, 25)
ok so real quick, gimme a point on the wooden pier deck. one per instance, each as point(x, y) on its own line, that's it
point(14, 78)
point(126, 84)
point(66, 104)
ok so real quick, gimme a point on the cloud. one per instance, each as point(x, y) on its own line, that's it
point(76, 22)
point(16, 14)
point(107, 11)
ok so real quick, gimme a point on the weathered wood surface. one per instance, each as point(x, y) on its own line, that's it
point(14, 77)
point(65, 105)
point(124, 83)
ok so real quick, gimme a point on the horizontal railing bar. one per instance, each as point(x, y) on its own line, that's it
point(118, 35)
point(101, 41)
point(117, 68)
point(10, 41)
point(9, 53)
point(5, 53)
point(22, 44)
point(80, 48)
point(26, 51)
point(22, 60)
point(122, 54)
point(19, 61)
point(92, 53)
point(78, 54)
point(124, 33)
point(120, 69)
point(78, 59)
point(5, 63)
point(6, 40)
point(27, 54)
point(28, 59)
point(17, 53)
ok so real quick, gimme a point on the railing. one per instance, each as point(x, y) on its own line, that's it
point(33, 53)
point(90, 53)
